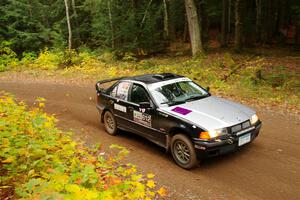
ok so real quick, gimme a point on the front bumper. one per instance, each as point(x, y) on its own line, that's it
point(219, 147)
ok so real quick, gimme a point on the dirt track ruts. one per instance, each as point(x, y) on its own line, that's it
point(269, 168)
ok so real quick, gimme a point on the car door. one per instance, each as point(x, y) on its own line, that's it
point(145, 119)
point(119, 101)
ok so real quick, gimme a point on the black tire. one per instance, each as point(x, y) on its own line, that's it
point(183, 151)
point(110, 123)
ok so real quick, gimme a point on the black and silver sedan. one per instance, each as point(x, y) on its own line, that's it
point(176, 113)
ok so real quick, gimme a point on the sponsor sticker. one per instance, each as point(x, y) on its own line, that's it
point(181, 110)
point(142, 118)
point(122, 92)
point(120, 108)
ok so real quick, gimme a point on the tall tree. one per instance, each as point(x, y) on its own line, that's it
point(166, 20)
point(111, 24)
point(77, 27)
point(238, 25)
point(69, 25)
point(194, 27)
point(258, 20)
point(224, 24)
point(171, 20)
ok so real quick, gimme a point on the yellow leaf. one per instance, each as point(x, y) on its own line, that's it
point(8, 160)
point(150, 184)
point(162, 192)
point(72, 188)
point(5, 142)
point(31, 172)
point(41, 105)
point(150, 175)
point(150, 193)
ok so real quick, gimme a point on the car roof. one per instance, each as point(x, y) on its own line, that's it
point(153, 78)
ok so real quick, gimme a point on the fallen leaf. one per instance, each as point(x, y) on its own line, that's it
point(150, 175)
point(150, 184)
point(162, 192)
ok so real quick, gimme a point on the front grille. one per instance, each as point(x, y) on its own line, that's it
point(239, 127)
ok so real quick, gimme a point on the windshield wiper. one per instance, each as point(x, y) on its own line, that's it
point(173, 103)
point(193, 98)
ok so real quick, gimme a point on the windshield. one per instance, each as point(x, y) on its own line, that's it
point(178, 92)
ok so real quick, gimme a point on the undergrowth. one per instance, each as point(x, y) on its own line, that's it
point(243, 76)
point(39, 161)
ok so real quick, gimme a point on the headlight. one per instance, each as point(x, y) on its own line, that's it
point(253, 119)
point(213, 133)
point(217, 132)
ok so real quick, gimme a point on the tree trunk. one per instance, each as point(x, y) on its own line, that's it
point(224, 25)
point(171, 25)
point(146, 13)
point(111, 24)
point(258, 21)
point(74, 8)
point(69, 25)
point(238, 26)
point(76, 21)
point(144, 19)
point(194, 27)
point(166, 20)
point(134, 7)
point(204, 22)
point(297, 35)
point(229, 17)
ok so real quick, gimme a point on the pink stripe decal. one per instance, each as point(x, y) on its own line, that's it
point(181, 110)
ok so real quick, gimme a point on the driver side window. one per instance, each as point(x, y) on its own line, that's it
point(138, 94)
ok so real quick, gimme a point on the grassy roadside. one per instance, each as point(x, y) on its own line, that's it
point(259, 80)
point(39, 161)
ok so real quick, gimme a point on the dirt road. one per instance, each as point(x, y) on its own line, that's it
point(269, 168)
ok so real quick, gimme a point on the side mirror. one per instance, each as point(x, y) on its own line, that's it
point(207, 88)
point(145, 105)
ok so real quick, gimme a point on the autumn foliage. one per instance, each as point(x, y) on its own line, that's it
point(39, 161)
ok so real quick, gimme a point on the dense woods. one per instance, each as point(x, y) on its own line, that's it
point(148, 25)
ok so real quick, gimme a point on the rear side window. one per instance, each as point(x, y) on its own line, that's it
point(121, 90)
point(138, 94)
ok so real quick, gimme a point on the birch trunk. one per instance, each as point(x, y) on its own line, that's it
point(76, 20)
point(146, 13)
point(69, 25)
point(194, 27)
point(111, 24)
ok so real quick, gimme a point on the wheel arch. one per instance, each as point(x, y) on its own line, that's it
point(174, 131)
point(102, 114)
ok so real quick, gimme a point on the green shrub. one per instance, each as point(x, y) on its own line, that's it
point(8, 57)
point(39, 161)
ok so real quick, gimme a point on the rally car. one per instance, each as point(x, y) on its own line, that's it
point(176, 113)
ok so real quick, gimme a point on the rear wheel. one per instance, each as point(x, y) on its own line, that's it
point(110, 123)
point(183, 151)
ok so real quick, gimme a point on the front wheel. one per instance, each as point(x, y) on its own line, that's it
point(110, 123)
point(183, 151)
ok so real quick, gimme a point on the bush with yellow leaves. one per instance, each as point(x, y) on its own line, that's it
point(39, 161)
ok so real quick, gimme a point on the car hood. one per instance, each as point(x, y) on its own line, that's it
point(211, 112)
